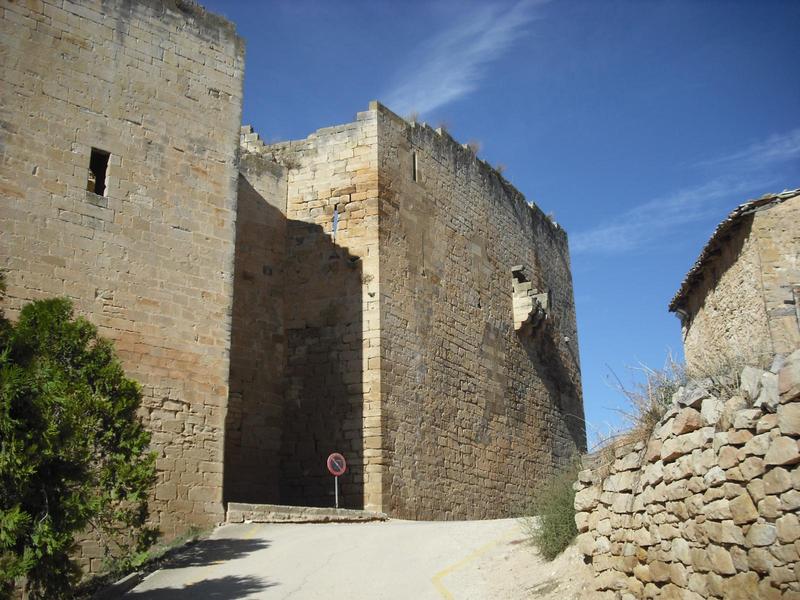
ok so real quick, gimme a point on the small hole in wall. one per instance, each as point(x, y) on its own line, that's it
point(414, 166)
point(98, 167)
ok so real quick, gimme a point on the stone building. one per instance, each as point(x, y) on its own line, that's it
point(373, 289)
point(397, 300)
point(741, 299)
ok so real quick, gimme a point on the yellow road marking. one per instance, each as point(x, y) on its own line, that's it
point(437, 579)
point(252, 532)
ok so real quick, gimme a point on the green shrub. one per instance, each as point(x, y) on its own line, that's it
point(551, 526)
point(73, 454)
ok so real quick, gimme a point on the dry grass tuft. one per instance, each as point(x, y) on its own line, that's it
point(290, 162)
point(473, 146)
point(722, 373)
point(650, 399)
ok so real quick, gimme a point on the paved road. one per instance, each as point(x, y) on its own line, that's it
point(392, 560)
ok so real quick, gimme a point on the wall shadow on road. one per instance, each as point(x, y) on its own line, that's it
point(206, 552)
point(224, 588)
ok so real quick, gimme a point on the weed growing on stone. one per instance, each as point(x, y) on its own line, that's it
point(722, 373)
point(551, 521)
point(650, 398)
point(289, 161)
point(473, 146)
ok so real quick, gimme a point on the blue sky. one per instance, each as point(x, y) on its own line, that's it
point(638, 124)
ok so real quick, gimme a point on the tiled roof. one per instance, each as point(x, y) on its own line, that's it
point(695, 273)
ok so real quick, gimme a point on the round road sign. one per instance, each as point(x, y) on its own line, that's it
point(337, 464)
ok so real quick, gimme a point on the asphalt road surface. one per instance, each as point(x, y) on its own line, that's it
point(393, 560)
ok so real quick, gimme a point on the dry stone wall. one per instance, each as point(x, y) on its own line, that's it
point(474, 413)
point(708, 506)
point(158, 86)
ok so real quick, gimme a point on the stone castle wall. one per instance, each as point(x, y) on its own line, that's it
point(304, 320)
point(158, 85)
point(398, 344)
point(254, 421)
point(331, 327)
point(747, 302)
point(707, 506)
point(474, 414)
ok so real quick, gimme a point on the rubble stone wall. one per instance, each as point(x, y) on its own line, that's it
point(727, 309)
point(158, 85)
point(746, 307)
point(778, 238)
point(708, 506)
point(475, 414)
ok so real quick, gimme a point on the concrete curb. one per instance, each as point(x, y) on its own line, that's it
point(117, 589)
point(276, 513)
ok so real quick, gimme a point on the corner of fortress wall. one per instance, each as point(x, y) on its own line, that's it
point(431, 265)
point(329, 338)
point(476, 414)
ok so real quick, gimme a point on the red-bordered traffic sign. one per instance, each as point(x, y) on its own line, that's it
point(337, 465)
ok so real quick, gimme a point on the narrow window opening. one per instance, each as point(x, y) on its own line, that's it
point(98, 166)
point(414, 166)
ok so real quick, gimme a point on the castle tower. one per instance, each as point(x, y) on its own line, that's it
point(428, 327)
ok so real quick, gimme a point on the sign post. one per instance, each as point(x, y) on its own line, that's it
point(337, 465)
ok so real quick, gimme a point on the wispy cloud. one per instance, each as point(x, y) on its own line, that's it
point(735, 176)
point(451, 64)
point(776, 148)
point(661, 217)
